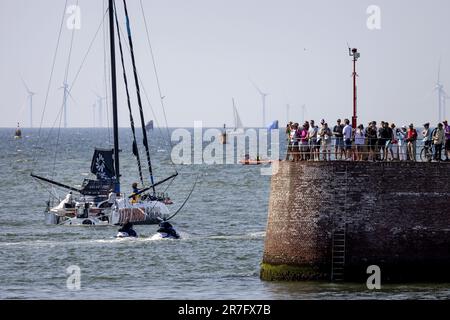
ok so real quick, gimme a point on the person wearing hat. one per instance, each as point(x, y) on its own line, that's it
point(411, 138)
point(438, 141)
point(447, 140)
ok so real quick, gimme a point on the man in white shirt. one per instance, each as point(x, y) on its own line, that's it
point(312, 138)
point(347, 132)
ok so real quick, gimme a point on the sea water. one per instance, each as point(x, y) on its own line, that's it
point(222, 227)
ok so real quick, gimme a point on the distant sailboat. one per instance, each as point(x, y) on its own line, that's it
point(238, 127)
point(18, 133)
point(149, 125)
point(223, 136)
point(273, 125)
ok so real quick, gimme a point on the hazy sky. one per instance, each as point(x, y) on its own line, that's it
point(207, 50)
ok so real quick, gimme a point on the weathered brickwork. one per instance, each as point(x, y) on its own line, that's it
point(397, 216)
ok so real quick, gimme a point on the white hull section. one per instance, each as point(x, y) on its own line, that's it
point(145, 212)
point(54, 218)
point(236, 132)
point(88, 214)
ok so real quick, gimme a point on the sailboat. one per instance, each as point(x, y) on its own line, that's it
point(149, 125)
point(18, 133)
point(100, 201)
point(238, 127)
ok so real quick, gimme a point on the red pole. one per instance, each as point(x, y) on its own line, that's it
point(354, 118)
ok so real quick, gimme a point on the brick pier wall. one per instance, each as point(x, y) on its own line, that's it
point(397, 216)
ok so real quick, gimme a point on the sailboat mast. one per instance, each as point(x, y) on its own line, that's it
point(114, 94)
point(234, 114)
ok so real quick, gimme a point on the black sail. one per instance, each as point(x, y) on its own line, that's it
point(103, 164)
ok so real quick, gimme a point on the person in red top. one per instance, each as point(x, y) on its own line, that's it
point(411, 138)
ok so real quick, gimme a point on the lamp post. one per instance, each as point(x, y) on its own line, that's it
point(355, 54)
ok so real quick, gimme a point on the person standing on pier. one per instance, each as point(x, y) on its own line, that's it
point(447, 140)
point(372, 139)
point(401, 137)
point(312, 138)
point(339, 140)
point(360, 139)
point(438, 140)
point(347, 133)
point(411, 138)
point(325, 137)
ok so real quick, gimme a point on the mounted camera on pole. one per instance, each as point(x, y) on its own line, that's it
point(355, 54)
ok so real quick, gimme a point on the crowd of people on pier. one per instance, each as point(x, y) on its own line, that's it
point(375, 142)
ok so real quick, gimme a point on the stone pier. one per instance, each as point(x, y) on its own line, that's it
point(395, 215)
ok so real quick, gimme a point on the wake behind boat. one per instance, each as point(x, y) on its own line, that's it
point(127, 231)
point(166, 231)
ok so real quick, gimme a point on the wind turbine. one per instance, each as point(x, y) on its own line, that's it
point(442, 95)
point(288, 107)
point(263, 97)
point(303, 113)
point(30, 98)
point(100, 108)
point(66, 94)
point(93, 113)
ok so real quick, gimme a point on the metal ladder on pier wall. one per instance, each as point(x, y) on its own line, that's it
point(338, 255)
point(339, 230)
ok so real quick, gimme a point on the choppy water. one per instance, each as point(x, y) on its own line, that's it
point(222, 226)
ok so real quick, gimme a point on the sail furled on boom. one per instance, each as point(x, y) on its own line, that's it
point(136, 80)
point(103, 164)
point(125, 79)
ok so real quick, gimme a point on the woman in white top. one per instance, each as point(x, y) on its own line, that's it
point(360, 138)
point(401, 136)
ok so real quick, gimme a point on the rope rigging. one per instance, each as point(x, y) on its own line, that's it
point(161, 97)
point(136, 80)
point(50, 80)
point(66, 96)
point(135, 147)
point(168, 144)
point(185, 201)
